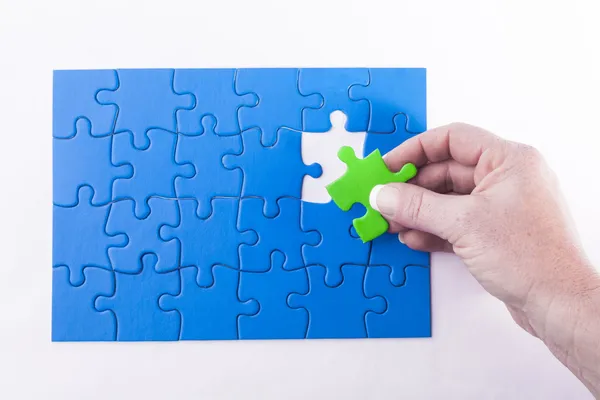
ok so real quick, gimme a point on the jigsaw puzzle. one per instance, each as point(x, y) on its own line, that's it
point(190, 204)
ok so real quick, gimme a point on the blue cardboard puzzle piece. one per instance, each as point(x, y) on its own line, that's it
point(214, 92)
point(282, 233)
point(74, 317)
point(336, 312)
point(333, 84)
point(275, 320)
point(387, 250)
point(146, 100)
point(209, 313)
point(135, 304)
point(80, 239)
point(74, 97)
point(84, 160)
point(391, 91)
point(205, 152)
point(154, 169)
point(143, 235)
point(386, 142)
point(280, 104)
point(409, 306)
point(271, 172)
point(194, 232)
point(337, 246)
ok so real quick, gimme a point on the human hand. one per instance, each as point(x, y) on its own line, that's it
point(497, 205)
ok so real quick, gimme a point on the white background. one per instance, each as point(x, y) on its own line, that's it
point(528, 70)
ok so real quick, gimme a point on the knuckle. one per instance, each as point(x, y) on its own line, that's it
point(531, 153)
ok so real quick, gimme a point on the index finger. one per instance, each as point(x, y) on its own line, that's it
point(461, 142)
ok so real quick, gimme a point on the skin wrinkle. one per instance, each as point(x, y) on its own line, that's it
point(510, 227)
point(448, 180)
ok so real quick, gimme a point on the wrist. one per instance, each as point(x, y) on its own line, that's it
point(565, 315)
point(558, 306)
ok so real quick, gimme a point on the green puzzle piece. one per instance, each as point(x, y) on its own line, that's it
point(356, 184)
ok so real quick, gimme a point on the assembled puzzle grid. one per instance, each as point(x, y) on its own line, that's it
point(179, 210)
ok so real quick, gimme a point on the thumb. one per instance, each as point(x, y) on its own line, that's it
point(417, 208)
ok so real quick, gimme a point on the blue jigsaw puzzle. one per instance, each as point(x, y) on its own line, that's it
point(178, 211)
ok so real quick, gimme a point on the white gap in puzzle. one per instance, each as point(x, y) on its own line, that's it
point(322, 148)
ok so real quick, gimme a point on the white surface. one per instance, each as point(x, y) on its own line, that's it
point(528, 70)
point(322, 148)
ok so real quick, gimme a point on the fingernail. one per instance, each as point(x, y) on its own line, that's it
point(383, 199)
point(400, 239)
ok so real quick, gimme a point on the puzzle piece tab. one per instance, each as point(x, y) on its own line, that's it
point(282, 233)
point(337, 246)
point(280, 104)
point(409, 306)
point(80, 239)
point(209, 313)
point(271, 172)
point(154, 169)
point(74, 97)
point(271, 288)
point(135, 303)
point(333, 84)
point(393, 91)
point(337, 312)
point(205, 151)
point(356, 184)
point(143, 235)
point(214, 92)
point(194, 232)
point(84, 160)
point(74, 317)
point(146, 100)
point(386, 250)
point(386, 142)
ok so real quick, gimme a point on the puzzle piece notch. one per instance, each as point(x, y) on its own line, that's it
point(209, 313)
point(74, 317)
point(337, 246)
point(135, 303)
point(214, 93)
point(270, 238)
point(275, 320)
point(409, 306)
point(79, 237)
point(355, 186)
point(281, 163)
point(154, 169)
point(333, 85)
point(218, 235)
point(146, 100)
point(386, 142)
point(391, 90)
point(74, 97)
point(386, 250)
point(321, 148)
point(85, 160)
point(337, 312)
point(280, 103)
point(205, 151)
point(143, 234)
